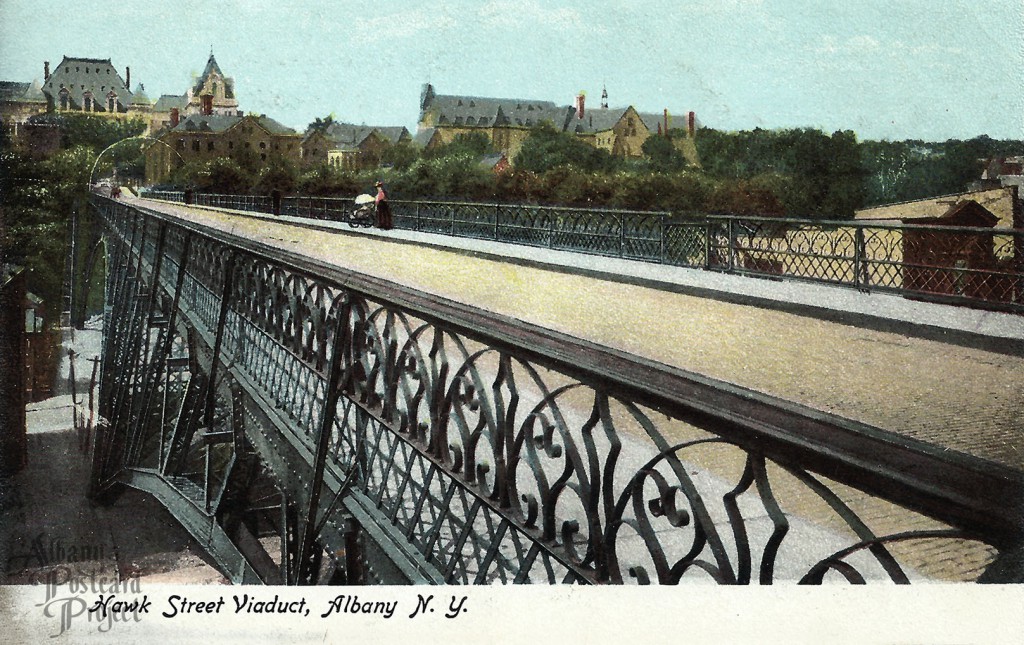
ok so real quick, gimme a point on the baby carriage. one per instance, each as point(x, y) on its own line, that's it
point(364, 212)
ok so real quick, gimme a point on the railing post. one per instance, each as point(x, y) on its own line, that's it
point(708, 231)
point(497, 213)
point(858, 259)
point(732, 244)
point(417, 216)
point(664, 231)
point(622, 235)
point(334, 374)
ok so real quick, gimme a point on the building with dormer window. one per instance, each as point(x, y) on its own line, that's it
point(250, 140)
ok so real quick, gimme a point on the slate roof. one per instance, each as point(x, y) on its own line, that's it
point(676, 120)
point(18, 92)
point(348, 135)
point(272, 126)
point(80, 75)
point(423, 137)
point(211, 67)
point(139, 96)
point(168, 101)
point(206, 123)
point(12, 90)
point(34, 93)
point(596, 120)
point(221, 122)
point(478, 111)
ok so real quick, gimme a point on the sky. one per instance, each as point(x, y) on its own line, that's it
point(910, 69)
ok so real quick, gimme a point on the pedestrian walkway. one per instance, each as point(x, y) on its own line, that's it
point(961, 395)
point(995, 331)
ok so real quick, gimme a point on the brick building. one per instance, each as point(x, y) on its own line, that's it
point(249, 140)
point(508, 122)
point(348, 146)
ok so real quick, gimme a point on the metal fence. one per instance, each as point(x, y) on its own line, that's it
point(978, 267)
point(476, 448)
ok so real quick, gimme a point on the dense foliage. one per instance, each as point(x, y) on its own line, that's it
point(793, 173)
point(40, 195)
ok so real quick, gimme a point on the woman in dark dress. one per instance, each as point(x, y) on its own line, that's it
point(383, 208)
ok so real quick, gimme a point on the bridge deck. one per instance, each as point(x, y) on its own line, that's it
point(957, 397)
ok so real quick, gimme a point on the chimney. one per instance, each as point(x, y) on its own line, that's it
point(46, 70)
point(691, 123)
point(581, 99)
point(174, 117)
point(128, 78)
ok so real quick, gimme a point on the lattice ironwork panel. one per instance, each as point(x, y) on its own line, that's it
point(501, 453)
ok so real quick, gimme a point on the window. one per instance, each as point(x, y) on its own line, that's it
point(231, 145)
point(64, 98)
point(263, 156)
point(181, 144)
point(87, 103)
point(111, 101)
point(263, 145)
point(195, 145)
point(209, 145)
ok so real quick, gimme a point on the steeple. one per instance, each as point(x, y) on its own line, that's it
point(604, 97)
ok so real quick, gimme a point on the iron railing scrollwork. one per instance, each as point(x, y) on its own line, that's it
point(495, 451)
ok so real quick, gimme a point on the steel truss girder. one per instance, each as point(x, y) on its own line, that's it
point(794, 439)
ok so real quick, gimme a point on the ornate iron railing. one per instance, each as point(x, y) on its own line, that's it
point(491, 450)
point(970, 266)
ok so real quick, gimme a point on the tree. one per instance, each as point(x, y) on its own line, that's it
point(399, 155)
point(91, 130)
point(546, 148)
point(279, 175)
point(663, 155)
point(474, 144)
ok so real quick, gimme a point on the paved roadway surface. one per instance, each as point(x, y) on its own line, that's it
point(960, 397)
point(945, 375)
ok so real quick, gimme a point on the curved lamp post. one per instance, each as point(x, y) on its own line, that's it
point(126, 139)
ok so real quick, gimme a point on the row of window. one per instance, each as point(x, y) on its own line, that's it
point(88, 102)
point(67, 70)
point(211, 145)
